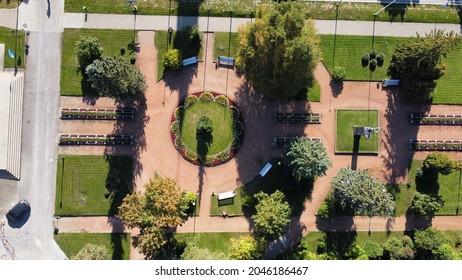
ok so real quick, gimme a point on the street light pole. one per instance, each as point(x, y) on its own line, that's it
point(375, 16)
point(135, 11)
point(335, 33)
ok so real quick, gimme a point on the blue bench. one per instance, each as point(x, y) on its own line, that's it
point(224, 60)
point(390, 83)
point(189, 61)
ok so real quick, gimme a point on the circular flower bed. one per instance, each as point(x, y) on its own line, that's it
point(226, 134)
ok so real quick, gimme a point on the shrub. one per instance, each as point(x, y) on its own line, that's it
point(179, 112)
point(88, 49)
point(439, 162)
point(321, 248)
point(191, 155)
point(179, 143)
point(204, 125)
point(380, 59)
point(426, 205)
point(372, 64)
point(339, 74)
point(192, 33)
point(189, 100)
point(365, 60)
point(372, 54)
point(207, 97)
point(133, 60)
point(223, 156)
point(175, 127)
point(122, 51)
point(223, 100)
point(172, 59)
point(327, 208)
point(374, 250)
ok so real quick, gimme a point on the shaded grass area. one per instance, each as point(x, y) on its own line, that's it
point(345, 140)
point(280, 178)
point(111, 40)
point(163, 42)
point(244, 8)
point(118, 244)
point(336, 241)
point(214, 241)
point(92, 185)
point(350, 49)
point(447, 186)
point(232, 209)
point(449, 87)
point(8, 37)
point(222, 123)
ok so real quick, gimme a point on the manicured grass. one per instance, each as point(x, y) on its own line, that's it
point(163, 43)
point(8, 37)
point(449, 88)
point(244, 8)
point(232, 209)
point(222, 121)
point(346, 120)
point(92, 185)
point(448, 189)
point(111, 41)
point(214, 241)
point(314, 93)
point(349, 51)
point(118, 244)
point(9, 4)
point(226, 44)
point(312, 239)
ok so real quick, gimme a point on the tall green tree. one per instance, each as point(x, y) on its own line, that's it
point(438, 162)
point(358, 192)
point(279, 51)
point(116, 77)
point(92, 252)
point(88, 49)
point(272, 215)
point(307, 158)
point(428, 244)
point(155, 212)
point(399, 248)
point(418, 63)
point(426, 205)
point(246, 248)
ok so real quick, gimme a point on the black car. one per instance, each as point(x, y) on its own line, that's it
point(18, 210)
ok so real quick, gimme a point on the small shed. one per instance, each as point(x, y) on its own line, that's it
point(226, 198)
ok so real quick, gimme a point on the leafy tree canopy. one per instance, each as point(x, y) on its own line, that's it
point(246, 248)
point(358, 192)
point(399, 248)
point(156, 211)
point(439, 163)
point(427, 242)
point(279, 51)
point(116, 77)
point(418, 63)
point(172, 59)
point(307, 158)
point(88, 49)
point(92, 252)
point(272, 215)
point(426, 205)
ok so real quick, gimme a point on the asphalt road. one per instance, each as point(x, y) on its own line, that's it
point(32, 236)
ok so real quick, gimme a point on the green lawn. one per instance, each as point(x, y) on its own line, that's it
point(222, 121)
point(118, 244)
point(111, 41)
point(448, 189)
point(226, 44)
point(350, 49)
point(92, 185)
point(244, 8)
point(345, 121)
point(163, 43)
point(232, 209)
point(8, 37)
point(9, 4)
point(214, 241)
point(449, 88)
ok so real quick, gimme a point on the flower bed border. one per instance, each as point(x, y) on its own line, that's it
point(96, 114)
point(435, 145)
point(435, 119)
point(233, 148)
point(95, 139)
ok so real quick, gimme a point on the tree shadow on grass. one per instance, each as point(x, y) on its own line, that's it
point(117, 239)
point(397, 12)
point(340, 234)
point(336, 88)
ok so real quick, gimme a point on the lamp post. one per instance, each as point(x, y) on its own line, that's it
point(16, 42)
point(135, 11)
point(335, 33)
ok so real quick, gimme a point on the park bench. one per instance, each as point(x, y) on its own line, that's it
point(226, 198)
point(435, 145)
point(224, 60)
point(386, 83)
point(189, 61)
